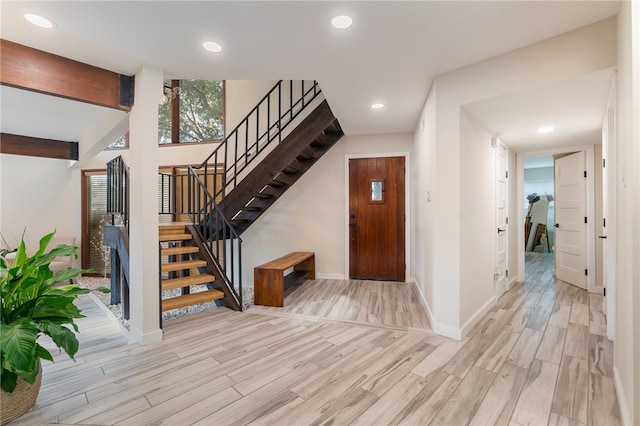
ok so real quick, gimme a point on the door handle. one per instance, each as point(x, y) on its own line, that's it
point(604, 237)
point(557, 225)
point(501, 230)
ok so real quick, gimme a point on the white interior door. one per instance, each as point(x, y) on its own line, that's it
point(501, 274)
point(571, 213)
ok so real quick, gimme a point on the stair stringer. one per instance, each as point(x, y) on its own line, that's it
point(317, 133)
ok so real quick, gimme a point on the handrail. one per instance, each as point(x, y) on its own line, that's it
point(118, 191)
point(263, 125)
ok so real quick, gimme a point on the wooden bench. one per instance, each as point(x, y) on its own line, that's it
point(270, 283)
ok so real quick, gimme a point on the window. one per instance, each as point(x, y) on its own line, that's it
point(121, 143)
point(193, 111)
point(94, 216)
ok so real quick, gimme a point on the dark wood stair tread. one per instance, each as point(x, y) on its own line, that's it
point(187, 281)
point(191, 299)
point(181, 265)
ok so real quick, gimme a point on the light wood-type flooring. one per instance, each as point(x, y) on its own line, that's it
point(539, 357)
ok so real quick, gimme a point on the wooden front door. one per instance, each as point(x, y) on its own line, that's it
point(377, 218)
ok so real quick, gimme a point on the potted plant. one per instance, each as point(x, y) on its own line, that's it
point(34, 304)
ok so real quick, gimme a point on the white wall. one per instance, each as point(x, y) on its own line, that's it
point(627, 165)
point(310, 216)
point(424, 196)
point(38, 196)
point(477, 221)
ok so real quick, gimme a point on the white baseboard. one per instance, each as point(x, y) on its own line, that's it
point(625, 410)
point(330, 276)
point(466, 328)
point(442, 330)
point(146, 338)
point(513, 281)
point(124, 330)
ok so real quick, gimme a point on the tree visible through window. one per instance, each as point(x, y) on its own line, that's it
point(193, 111)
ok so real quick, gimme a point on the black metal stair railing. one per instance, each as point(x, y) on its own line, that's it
point(218, 235)
point(186, 198)
point(118, 191)
point(116, 235)
point(263, 125)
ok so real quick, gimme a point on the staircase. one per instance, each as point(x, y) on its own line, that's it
point(281, 168)
point(272, 147)
point(182, 270)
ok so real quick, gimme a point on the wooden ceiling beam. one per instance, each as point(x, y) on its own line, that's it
point(30, 69)
point(37, 147)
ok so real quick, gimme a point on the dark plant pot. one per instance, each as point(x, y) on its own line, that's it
point(20, 400)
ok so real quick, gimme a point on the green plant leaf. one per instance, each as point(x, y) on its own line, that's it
point(67, 290)
point(18, 344)
point(44, 242)
point(68, 311)
point(65, 274)
point(43, 353)
point(9, 380)
point(62, 336)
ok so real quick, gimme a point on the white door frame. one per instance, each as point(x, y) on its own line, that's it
point(407, 207)
point(501, 277)
point(591, 255)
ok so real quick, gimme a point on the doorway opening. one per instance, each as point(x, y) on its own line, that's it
point(538, 206)
point(569, 231)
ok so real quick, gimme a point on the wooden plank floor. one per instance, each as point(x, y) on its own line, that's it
point(539, 357)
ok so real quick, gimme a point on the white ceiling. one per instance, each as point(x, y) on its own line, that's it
point(390, 54)
point(575, 108)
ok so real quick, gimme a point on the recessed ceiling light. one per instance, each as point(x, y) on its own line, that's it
point(546, 129)
point(212, 46)
point(342, 22)
point(377, 106)
point(38, 20)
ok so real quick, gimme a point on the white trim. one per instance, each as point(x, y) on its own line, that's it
point(466, 328)
point(625, 409)
point(124, 330)
point(590, 199)
point(144, 339)
point(513, 281)
point(442, 330)
point(330, 277)
point(407, 205)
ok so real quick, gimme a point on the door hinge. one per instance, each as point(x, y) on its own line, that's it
point(506, 220)
point(604, 162)
point(604, 292)
point(585, 219)
point(506, 272)
point(586, 272)
point(604, 222)
point(506, 175)
point(585, 173)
